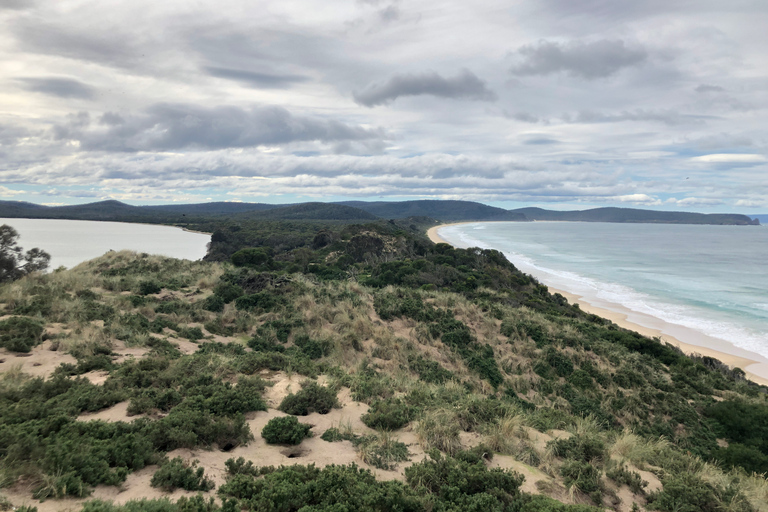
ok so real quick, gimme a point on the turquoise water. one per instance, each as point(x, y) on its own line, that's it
point(709, 279)
point(71, 242)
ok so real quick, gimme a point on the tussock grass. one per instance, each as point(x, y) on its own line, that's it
point(440, 429)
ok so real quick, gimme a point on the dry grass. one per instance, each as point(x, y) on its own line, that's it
point(505, 433)
point(439, 429)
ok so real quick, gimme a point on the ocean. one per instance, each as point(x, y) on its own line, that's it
point(685, 280)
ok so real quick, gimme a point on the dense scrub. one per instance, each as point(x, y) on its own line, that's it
point(437, 340)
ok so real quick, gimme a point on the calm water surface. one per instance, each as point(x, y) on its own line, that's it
point(711, 279)
point(71, 242)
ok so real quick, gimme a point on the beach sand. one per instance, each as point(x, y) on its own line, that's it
point(754, 365)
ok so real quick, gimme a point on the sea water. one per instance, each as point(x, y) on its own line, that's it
point(708, 279)
point(71, 242)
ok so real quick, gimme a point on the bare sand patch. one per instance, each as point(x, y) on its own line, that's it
point(41, 361)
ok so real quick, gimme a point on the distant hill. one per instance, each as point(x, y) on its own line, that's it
point(310, 211)
point(635, 215)
point(436, 209)
point(353, 211)
point(763, 218)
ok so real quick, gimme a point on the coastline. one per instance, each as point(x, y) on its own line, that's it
point(619, 315)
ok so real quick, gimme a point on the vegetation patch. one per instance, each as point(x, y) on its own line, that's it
point(285, 430)
point(177, 474)
point(20, 334)
point(311, 398)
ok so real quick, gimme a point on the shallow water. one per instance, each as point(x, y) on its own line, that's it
point(71, 242)
point(708, 279)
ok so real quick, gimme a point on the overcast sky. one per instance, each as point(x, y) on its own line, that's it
point(555, 103)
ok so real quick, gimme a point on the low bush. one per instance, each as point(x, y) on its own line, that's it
point(20, 334)
point(149, 287)
point(311, 398)
point(177, 474)
point(389, 414)
point(583, 476)
point(285, 430)
point(622, 476)
point(381, 451)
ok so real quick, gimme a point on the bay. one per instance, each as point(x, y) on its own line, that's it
point(706, 280)
point(71, 242)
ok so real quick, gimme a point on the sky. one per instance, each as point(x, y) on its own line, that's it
point(563, 104)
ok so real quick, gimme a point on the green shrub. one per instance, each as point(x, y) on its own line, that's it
point(621, 475)
point(285, 430)
point(333, 435)
point(584, 448)
point(389, 414)
point(149, 287)
point(314, 349)
point(584, 476)
point(177, 474)
point(264, 301)
point(560, 362)
point(228, 292)
point(311, 398)
point(429, 371)
point(381, 451)
point(20, 334)
point(191, 333)
point(213, 303)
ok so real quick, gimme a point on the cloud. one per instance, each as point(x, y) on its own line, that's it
point(731, 158)
point(7, 192)
point(709, 88)
point(668, 117)
point(643, 199)
point(541, 141)
point(464, 85)
point(698, 201)
point(16, 4)
point(256, 79)
point(59, 86)
point(598, 59)
point(169, 126)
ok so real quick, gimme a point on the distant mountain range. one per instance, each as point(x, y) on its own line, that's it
point(353, 211)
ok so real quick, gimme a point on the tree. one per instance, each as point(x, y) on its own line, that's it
point(14, 262)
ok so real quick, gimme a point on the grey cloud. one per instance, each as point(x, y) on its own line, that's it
point(16, 4)
point(107, 48)
point(598, 59)
point(179, 126)
point(661, 116)
point(522, 116)
point(389, 13)
point(464, 85)
point(541, 141)
point(59, 86)
point(253, 78)
point(709, 88)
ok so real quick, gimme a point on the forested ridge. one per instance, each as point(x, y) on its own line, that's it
point(311, 366)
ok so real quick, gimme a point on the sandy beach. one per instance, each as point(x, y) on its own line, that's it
point(754, 365)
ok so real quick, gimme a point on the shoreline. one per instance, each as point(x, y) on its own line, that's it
point(620, 316)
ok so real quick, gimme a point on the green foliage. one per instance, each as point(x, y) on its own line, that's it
point(177, 474)
point(20, 334)
point(381, 451)
point(183, 504)
point(314, 349)
point(621, 475)
point(149, 287)
point(260, 302)
point(429, 371)
point(251, 257)
point(389, 414)
point(228, 292)
point(334, 434)
point(311, 398)
point(14, 262)
point(584, 476)
point(285, 430)
point(583, 448)
point(684, 492)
